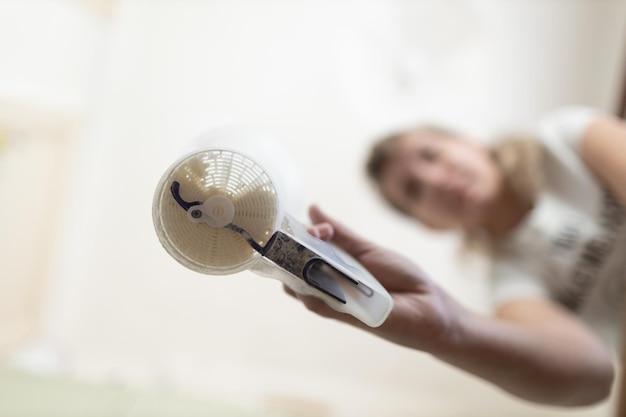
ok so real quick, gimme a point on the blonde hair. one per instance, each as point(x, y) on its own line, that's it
point(520, 159)
point(518, 156)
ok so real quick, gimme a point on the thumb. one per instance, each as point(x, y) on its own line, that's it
point(343, 236)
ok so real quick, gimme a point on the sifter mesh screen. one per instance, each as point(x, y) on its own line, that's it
point(204, 248)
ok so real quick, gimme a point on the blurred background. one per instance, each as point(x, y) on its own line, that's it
point(99, 97)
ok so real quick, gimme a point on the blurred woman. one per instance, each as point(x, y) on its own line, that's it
point(552, 209)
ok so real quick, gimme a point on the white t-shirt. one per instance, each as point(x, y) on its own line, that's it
point(571, 247)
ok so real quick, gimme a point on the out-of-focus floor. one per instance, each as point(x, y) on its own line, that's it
point(27, 394)
point(24, 393)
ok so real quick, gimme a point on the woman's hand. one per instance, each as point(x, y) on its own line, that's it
point(423, 317)
point(534, 349)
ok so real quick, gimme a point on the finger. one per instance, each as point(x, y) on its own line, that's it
point(313, 231)
point(289, 291)
point(342, 236)
point(320, 308)
point(322, 231)
point(326, 231)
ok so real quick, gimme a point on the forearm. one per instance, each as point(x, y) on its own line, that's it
point(534, 364)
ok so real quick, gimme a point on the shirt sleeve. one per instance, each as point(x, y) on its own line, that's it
point(567, 124)
point(515, 277)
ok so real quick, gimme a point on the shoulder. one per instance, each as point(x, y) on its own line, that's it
point(566, 125)
point(563, 133)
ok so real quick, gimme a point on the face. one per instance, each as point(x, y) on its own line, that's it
point(445, 182)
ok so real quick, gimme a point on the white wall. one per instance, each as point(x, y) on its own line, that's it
point(325, 77)
point(47, 53)
point(46, 57)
